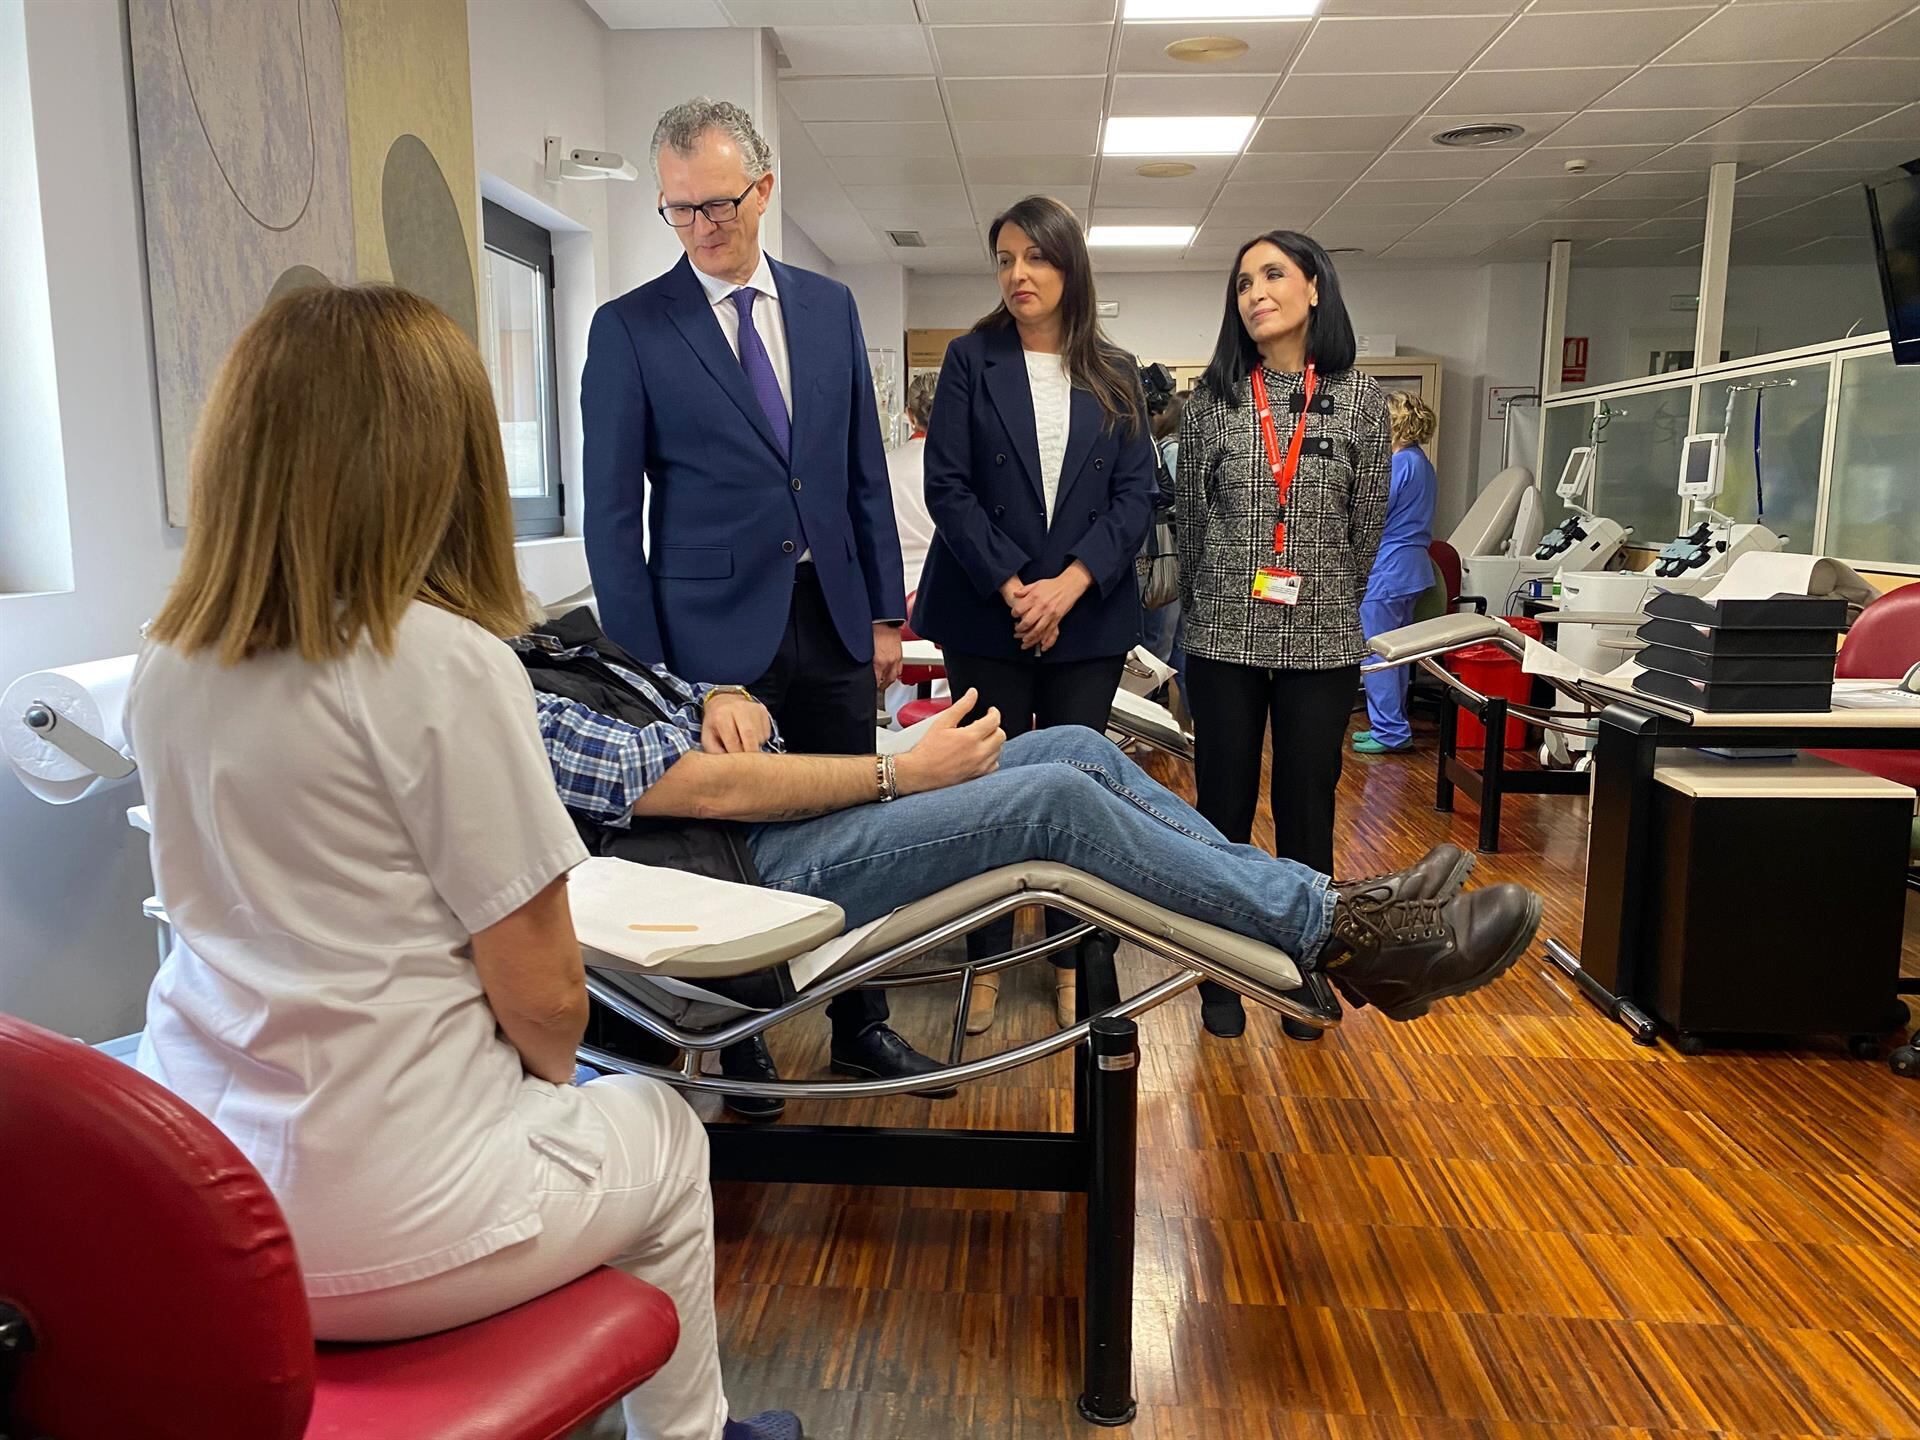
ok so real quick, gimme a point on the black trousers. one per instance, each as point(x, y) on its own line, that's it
point(1233, 706)
point(1033, 696)
point(823, 701)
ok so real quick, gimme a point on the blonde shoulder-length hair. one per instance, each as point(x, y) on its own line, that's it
point(347, 464)
point(1412, 419)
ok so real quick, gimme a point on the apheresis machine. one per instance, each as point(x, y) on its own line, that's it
point(1581, 542)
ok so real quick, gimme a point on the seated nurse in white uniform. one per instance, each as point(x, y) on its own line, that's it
point(374, 987)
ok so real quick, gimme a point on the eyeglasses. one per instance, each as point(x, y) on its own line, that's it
point(718, 212)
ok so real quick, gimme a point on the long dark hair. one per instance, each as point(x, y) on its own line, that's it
point(1330, 343)
point(1093, 362)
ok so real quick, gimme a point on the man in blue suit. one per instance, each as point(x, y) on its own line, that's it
point(739, 520)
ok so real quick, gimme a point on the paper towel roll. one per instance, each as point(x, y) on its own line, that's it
point(92, 696)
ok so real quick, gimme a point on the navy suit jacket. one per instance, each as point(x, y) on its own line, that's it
point(989, 511)
point(675, 438)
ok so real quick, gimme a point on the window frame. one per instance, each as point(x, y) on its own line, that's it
point(517, 238)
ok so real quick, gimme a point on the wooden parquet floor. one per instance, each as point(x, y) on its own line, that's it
point(1504, 1222)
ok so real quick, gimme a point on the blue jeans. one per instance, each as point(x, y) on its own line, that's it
point(1387, 689)
point(1063, 794)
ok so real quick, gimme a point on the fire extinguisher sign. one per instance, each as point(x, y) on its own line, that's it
point(1573, 360)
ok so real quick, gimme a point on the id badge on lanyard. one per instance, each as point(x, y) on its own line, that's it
point(1275, 584)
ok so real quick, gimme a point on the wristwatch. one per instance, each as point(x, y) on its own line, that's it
point(726, 690)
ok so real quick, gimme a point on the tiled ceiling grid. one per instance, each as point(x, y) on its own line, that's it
point(932, 115)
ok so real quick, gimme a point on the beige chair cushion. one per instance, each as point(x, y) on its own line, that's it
point(1443, 632)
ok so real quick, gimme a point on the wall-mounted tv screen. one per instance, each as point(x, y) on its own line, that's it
point(1895, 209)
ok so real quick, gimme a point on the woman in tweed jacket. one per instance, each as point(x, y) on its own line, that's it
point(1290, 663)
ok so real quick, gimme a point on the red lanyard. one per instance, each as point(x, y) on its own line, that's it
point(1282, 471)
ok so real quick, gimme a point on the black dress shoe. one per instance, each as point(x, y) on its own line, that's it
point(1221, 1011)
point(877, 1053)
point(749, 1060)
point(1299, 1029)
point(1404, 955)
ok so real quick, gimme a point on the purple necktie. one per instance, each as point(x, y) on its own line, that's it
point(759, 367)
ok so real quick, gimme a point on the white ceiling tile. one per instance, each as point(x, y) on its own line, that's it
point(917, 99)
point(1132, 190)
point(1369, 239)
point(1349, 132)
point(1015, 12)
point(961, 239)
point(1270, 45)
point(1676, 86)
point(1147, 215)
point(1903, 124)
point(1671, 227)
point(1853, 82)
point(1318, 95)
point(1534, 128)
point(1635, 127)
point(1855, 157)
point(1559, 188)
point(1441, 162)
point(1396, 44)
point(1786, 30)
point(1752, 154)
point(1016, 137)
point(1059, 98)
point(1287, 210)
point(995, 50)
point(1415, 248)
point(821, 12)
point(1800, 183)
point(1191, 94)
point(1208, 170)
point(1465, 233)
point(1291, 195)
point(895, 170)
point(855, 50)
point(920, 217)
point(893, 197)
point(1675, 186)
point(1545, 161)
point(1422, 7)
point(1628, 37)
point(1036, 170)
point(1348, 212)
point(660, 14)
point(990, 200)
point(849, 138)
point(1496, 90)
point(1561, 227)
point(1371, 191)
point(1809, 123)
point(1224, 237)
point(1900, 40)
point(1476, 210)
point(1303, 165)
point(1607, 203)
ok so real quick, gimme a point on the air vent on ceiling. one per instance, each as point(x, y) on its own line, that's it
point(1469, 136)
point(907, 239)
point(1165, 169)
point(1207, 49)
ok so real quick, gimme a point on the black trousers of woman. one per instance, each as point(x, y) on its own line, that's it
point(1033, 696)
point(1233, 706)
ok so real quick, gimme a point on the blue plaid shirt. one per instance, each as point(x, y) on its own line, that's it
point(603, 765)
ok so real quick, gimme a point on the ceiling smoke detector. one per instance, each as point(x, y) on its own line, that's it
point(907, 239)
point(1165, 169)
point(1470, 137)
point(1207, 49)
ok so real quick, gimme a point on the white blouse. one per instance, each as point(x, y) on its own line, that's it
point(1052, 402)
point(326, 840)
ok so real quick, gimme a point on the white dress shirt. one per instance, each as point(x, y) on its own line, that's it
point(768, 322)
point(907, 472)
point(1052, 398)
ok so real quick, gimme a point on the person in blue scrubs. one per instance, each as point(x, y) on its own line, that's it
point(1401, 571)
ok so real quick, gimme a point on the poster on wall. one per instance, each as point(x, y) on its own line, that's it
point(290, 143)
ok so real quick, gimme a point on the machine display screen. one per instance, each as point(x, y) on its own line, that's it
point(1700, 471)
point(1894, 209)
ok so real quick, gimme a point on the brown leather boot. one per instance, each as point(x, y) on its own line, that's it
point(1402, 955)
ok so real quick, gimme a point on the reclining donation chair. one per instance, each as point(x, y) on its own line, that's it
point(149, 1290)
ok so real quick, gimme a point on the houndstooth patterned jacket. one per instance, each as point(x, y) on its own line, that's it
point(1335, 513)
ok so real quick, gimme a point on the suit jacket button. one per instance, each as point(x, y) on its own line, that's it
point(1099, 464)
point(786, 547)
point(998, 511)
point(796, 484)
point(1093, 516)
point(999, 459)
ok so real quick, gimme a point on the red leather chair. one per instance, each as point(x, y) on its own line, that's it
point(150, 1289)
point(1446, 560)
point(914, 711)
point(1883, 644)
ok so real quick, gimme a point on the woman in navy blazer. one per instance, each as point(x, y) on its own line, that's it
point(1040, 481)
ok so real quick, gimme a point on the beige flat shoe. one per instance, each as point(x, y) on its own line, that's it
point(1065, 993)
point(981, 1003)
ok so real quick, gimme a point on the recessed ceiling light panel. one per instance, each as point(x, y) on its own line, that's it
point(1177, 134)
point(1142, 236)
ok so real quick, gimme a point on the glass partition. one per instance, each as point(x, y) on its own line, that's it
point(1566, 427)
point(1873, 507)
point(1637, 471)
point(1800, 270)
point(1791, 415)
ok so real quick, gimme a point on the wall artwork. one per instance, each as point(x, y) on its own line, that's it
point(286, 143)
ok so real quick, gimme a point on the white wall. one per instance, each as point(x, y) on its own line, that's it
point(78, 956)
point(880, 290)
point(1445, 312)
point(644, 73)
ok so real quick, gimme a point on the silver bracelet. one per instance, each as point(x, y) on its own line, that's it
point(889, 782)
